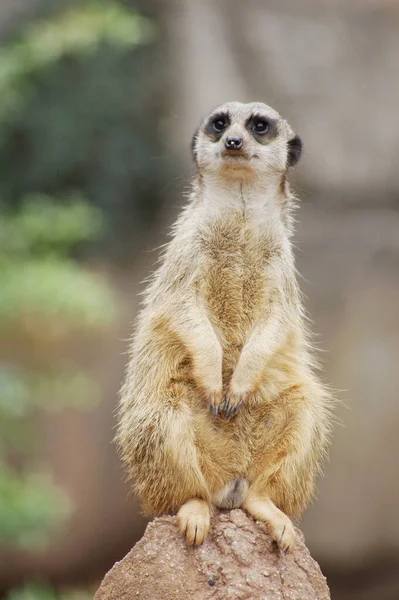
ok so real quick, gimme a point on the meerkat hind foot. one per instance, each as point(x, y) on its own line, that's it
point(279, 526)
point(194, 520)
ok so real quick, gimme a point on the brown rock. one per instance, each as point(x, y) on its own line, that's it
point(238, 561)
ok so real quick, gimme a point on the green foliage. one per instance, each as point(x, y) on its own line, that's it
point(30, 505)
point(78, 30)
point(41, 227)
point(80, 146)
point(44, 592)
point(42, 286)
point(36, 279)
point(53, 289)
point(81, 110)
point(24, 391)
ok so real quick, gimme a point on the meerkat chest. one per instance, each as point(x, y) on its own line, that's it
point(234, 272)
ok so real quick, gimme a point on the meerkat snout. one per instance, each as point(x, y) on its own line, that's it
point(233, 143)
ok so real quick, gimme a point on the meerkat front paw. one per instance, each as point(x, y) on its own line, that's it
point(231, 403)
point(211, 384)
point(214, 402)
point(237, 394)
point(194, 521)
point(240, 389)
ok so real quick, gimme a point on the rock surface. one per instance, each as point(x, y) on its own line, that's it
point(238, 561)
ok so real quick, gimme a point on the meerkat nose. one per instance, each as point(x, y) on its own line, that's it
point(234, 143)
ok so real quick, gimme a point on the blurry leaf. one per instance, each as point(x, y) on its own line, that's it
point(17, 437)
point(37, 591)
point(14, 394)
point(86, 116)
point(22, 391)
point(30, 506)
point(41, 226)
point(32, 592)
point(45, 146)
point(65, 389)
point(55, 292)
point(76, 30)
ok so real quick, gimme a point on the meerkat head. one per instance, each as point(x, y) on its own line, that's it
point(245, 140)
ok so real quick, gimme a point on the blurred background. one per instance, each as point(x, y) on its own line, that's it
point(98, 102)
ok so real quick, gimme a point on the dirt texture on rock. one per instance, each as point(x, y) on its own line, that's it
point(238, 561)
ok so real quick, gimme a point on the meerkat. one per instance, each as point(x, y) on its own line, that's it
point(221, 405)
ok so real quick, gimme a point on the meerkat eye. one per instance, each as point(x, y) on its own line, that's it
point(220, 123)
point(260, 126)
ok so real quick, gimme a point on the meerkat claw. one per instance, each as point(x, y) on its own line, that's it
point(228, 408)
point(282, 534)
point(233, 409)
point(224, 407)
point(213, 408)
point(213, 403)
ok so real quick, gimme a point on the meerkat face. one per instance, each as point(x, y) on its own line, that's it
point(244, 140)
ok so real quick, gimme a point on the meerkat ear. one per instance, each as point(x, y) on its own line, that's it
point(194, 144)
point(294, 151)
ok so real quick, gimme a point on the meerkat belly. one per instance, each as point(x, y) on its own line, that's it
point(233, 294)
point(233, 276)
point(224, 454)
point(233, 299)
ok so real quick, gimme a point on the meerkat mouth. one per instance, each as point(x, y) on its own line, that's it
point(235, 155)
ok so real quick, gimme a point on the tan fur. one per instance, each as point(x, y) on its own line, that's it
point(223, 323)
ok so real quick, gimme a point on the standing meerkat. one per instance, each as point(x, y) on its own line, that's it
point(221, 405)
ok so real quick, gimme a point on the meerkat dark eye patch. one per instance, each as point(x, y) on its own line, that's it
point(262, 128)
point(294, 151)
point(220, 123)
point(217, 125)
